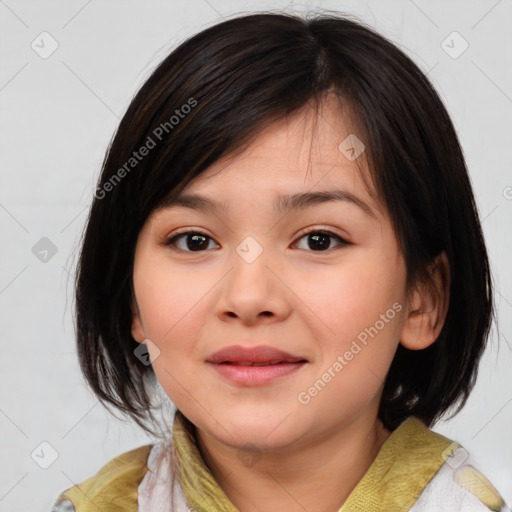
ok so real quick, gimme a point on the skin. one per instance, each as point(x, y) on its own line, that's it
point(308, 302)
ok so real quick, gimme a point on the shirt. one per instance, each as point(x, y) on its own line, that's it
point(416, 470)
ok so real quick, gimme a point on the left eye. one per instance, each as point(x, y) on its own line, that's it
point(321, 240)
point(195, 241)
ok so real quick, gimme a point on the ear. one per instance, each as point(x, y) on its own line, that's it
point(428, 307)
point(137, 329)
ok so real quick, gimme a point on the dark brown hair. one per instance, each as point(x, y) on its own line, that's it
point(207, 99)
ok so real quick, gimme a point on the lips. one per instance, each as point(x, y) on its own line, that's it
point(254, 366)
point(262, 355)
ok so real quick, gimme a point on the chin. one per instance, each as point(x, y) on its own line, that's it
point(261, 431)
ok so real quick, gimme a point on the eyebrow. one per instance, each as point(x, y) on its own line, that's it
point(283, 203)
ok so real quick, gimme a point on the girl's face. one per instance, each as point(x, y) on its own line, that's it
point(260, 270)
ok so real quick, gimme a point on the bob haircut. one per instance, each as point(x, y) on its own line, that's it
point(209, 98)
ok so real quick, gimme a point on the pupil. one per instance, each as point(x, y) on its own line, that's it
point(321, 241)
point(198, 242)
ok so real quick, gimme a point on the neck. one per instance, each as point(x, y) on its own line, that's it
point(317, 477)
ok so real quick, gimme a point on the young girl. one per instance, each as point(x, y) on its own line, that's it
point(285, 241)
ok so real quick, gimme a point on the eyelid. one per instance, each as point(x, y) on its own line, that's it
point(168, 239)
point(316, 229)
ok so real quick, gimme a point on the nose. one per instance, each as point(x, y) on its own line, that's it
point(253, 290)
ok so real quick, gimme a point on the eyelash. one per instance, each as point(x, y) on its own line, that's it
point(171, 241)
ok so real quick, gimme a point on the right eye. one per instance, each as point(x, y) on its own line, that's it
point(195, 243)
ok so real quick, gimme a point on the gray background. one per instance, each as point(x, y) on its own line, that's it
point(57, 115)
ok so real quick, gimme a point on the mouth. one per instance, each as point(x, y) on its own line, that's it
point(256, 365)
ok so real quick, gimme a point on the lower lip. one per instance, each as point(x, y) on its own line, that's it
point(256, 375)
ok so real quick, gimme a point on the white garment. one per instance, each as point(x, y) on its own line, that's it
point(444, 494)
point(155, 488)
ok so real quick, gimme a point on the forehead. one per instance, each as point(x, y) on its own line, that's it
point(305, 159)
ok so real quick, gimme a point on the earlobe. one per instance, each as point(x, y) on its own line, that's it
point(428, 308)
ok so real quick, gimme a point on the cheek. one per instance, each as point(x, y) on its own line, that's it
point(173, 305)
point(351, 297)
point(170, 300)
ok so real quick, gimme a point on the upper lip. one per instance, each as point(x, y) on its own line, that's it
point(259, 354)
